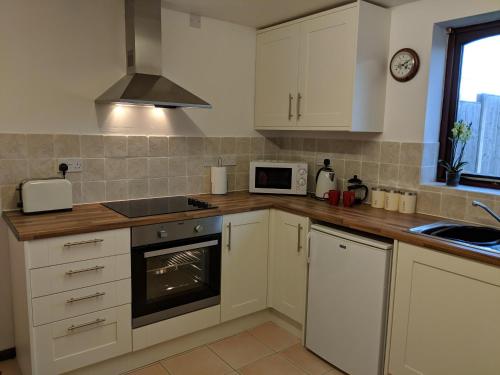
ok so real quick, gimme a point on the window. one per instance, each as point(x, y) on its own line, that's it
point(472, 94)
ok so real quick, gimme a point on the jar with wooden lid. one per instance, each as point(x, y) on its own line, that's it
point(378, 197)
point(407, 202)
point(392, 200)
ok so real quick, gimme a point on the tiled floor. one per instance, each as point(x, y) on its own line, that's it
point(263, 350)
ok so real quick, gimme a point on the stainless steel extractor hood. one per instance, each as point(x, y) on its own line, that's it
point(144, 84)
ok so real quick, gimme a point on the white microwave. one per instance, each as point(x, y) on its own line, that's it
point(278, 177)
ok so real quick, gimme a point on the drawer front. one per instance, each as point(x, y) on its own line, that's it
point(73, 343)
point(64, 277)
point(59, 250)
point(66, 305)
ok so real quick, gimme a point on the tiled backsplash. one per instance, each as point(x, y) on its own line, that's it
point(121, 167)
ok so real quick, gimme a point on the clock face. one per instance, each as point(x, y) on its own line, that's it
point(404, 65)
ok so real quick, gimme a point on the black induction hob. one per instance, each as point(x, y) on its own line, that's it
point(157, 206)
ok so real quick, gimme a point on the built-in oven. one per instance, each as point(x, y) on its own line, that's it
point(176, 268)
point(278, 177)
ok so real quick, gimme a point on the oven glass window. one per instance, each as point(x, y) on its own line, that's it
point(177, 274)
point(273, 178)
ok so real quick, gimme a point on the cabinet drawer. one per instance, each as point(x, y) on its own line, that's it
point(65, 305)
point(73, 343)
point(59, 250)
point(76, 275)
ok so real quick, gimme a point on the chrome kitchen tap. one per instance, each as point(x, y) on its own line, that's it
point(487, 209)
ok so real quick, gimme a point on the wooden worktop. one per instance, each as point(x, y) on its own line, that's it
point(95, 217)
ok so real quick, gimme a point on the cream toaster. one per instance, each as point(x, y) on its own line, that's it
point(51, 194)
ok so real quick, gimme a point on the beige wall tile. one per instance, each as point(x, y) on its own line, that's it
point(228, 145)
point(207, 185)
point(231, 182)
point(195, 145)
point(115, 168)
point(352, 150)
point(310, 144)
point(352, 167)
point(158, 187)
point(93, 169)
point(77, 192)
point(338, 166)
point(429, 202)
point(213, 146)
point(116, 190)
point(477, 214)
point(137, 146)
point(388, 175)
point(243, 145)
point(196, 167)
point(42, 168)
point(13, 171)
point(177, 185)
point(411, 154)
point(177, 166)
point(409, 176)
point(13, 146)
point(94, 191)
point(242, 163)
point(241, 181)
point(137, 168)
point(369, 172)
point(40, 145)
point(158, 167)
point(115, 146)
point(158, 146)
point(371, 151)
point(270, 146)
point(177, 146)
point(257, 145)
point(9, 197)
point(195, 184)
point(66, 146)
point(389, 152)
point(453, 206)
point(138, 189)
point(92, 146)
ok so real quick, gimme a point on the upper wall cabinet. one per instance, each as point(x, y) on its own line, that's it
point(324, 72)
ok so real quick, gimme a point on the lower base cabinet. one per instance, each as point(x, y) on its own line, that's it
point(446, 317)
point(244, 264)
point(288, 264)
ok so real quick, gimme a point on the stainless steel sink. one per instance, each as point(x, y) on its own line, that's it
point(481, 237)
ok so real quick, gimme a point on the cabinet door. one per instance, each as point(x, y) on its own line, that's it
point(326, 75)
point(445, 318)
point(276, 77)
point(244, 264)
point(288, 264)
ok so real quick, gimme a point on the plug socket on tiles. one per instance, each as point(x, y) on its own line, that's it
point(74, 165)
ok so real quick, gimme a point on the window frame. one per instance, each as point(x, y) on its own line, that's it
point(458, 37)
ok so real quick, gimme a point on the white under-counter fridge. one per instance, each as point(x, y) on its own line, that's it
point(347, 299)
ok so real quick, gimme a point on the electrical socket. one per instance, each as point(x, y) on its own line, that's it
point(74, 165)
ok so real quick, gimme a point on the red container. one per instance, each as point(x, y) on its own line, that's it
point(348, 198)
point(334, 197)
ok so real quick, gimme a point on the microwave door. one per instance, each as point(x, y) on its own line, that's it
point(273, 178)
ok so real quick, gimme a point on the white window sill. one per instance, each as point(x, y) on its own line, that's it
point(463, 188)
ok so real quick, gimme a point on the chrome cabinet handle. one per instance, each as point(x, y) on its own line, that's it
point(96, 295)
point(95, 268)
point(97, 321)
point(299, 98)
point(229, 237)
point(94, 241)
point(299, 245)
point(290, 98)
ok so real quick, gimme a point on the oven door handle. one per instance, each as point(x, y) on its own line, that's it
point(172, 250)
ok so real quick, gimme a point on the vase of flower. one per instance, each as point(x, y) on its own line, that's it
point(460, 134)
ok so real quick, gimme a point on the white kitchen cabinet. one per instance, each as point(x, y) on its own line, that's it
point(445, 318)
point(324, 72)
point(244, 264)
point(288, 247)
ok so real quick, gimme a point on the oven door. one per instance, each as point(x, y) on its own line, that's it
point(174, 278)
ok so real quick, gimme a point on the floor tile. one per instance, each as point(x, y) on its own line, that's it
point(201, 361)
point(9, 367)
point(306, 360)
point(336, 372)
point(155, 369)
point(275, 364)
point(240, 350)
point(274, 336)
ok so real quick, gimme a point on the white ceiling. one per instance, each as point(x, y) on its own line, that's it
point(261, 13)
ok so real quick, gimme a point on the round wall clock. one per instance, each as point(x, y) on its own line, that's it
point(404, 65)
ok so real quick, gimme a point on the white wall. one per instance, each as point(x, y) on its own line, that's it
point(59, 55)
point(412, 26)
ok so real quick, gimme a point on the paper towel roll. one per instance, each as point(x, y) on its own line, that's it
point(219, 180)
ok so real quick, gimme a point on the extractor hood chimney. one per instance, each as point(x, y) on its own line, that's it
point(144, 84)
